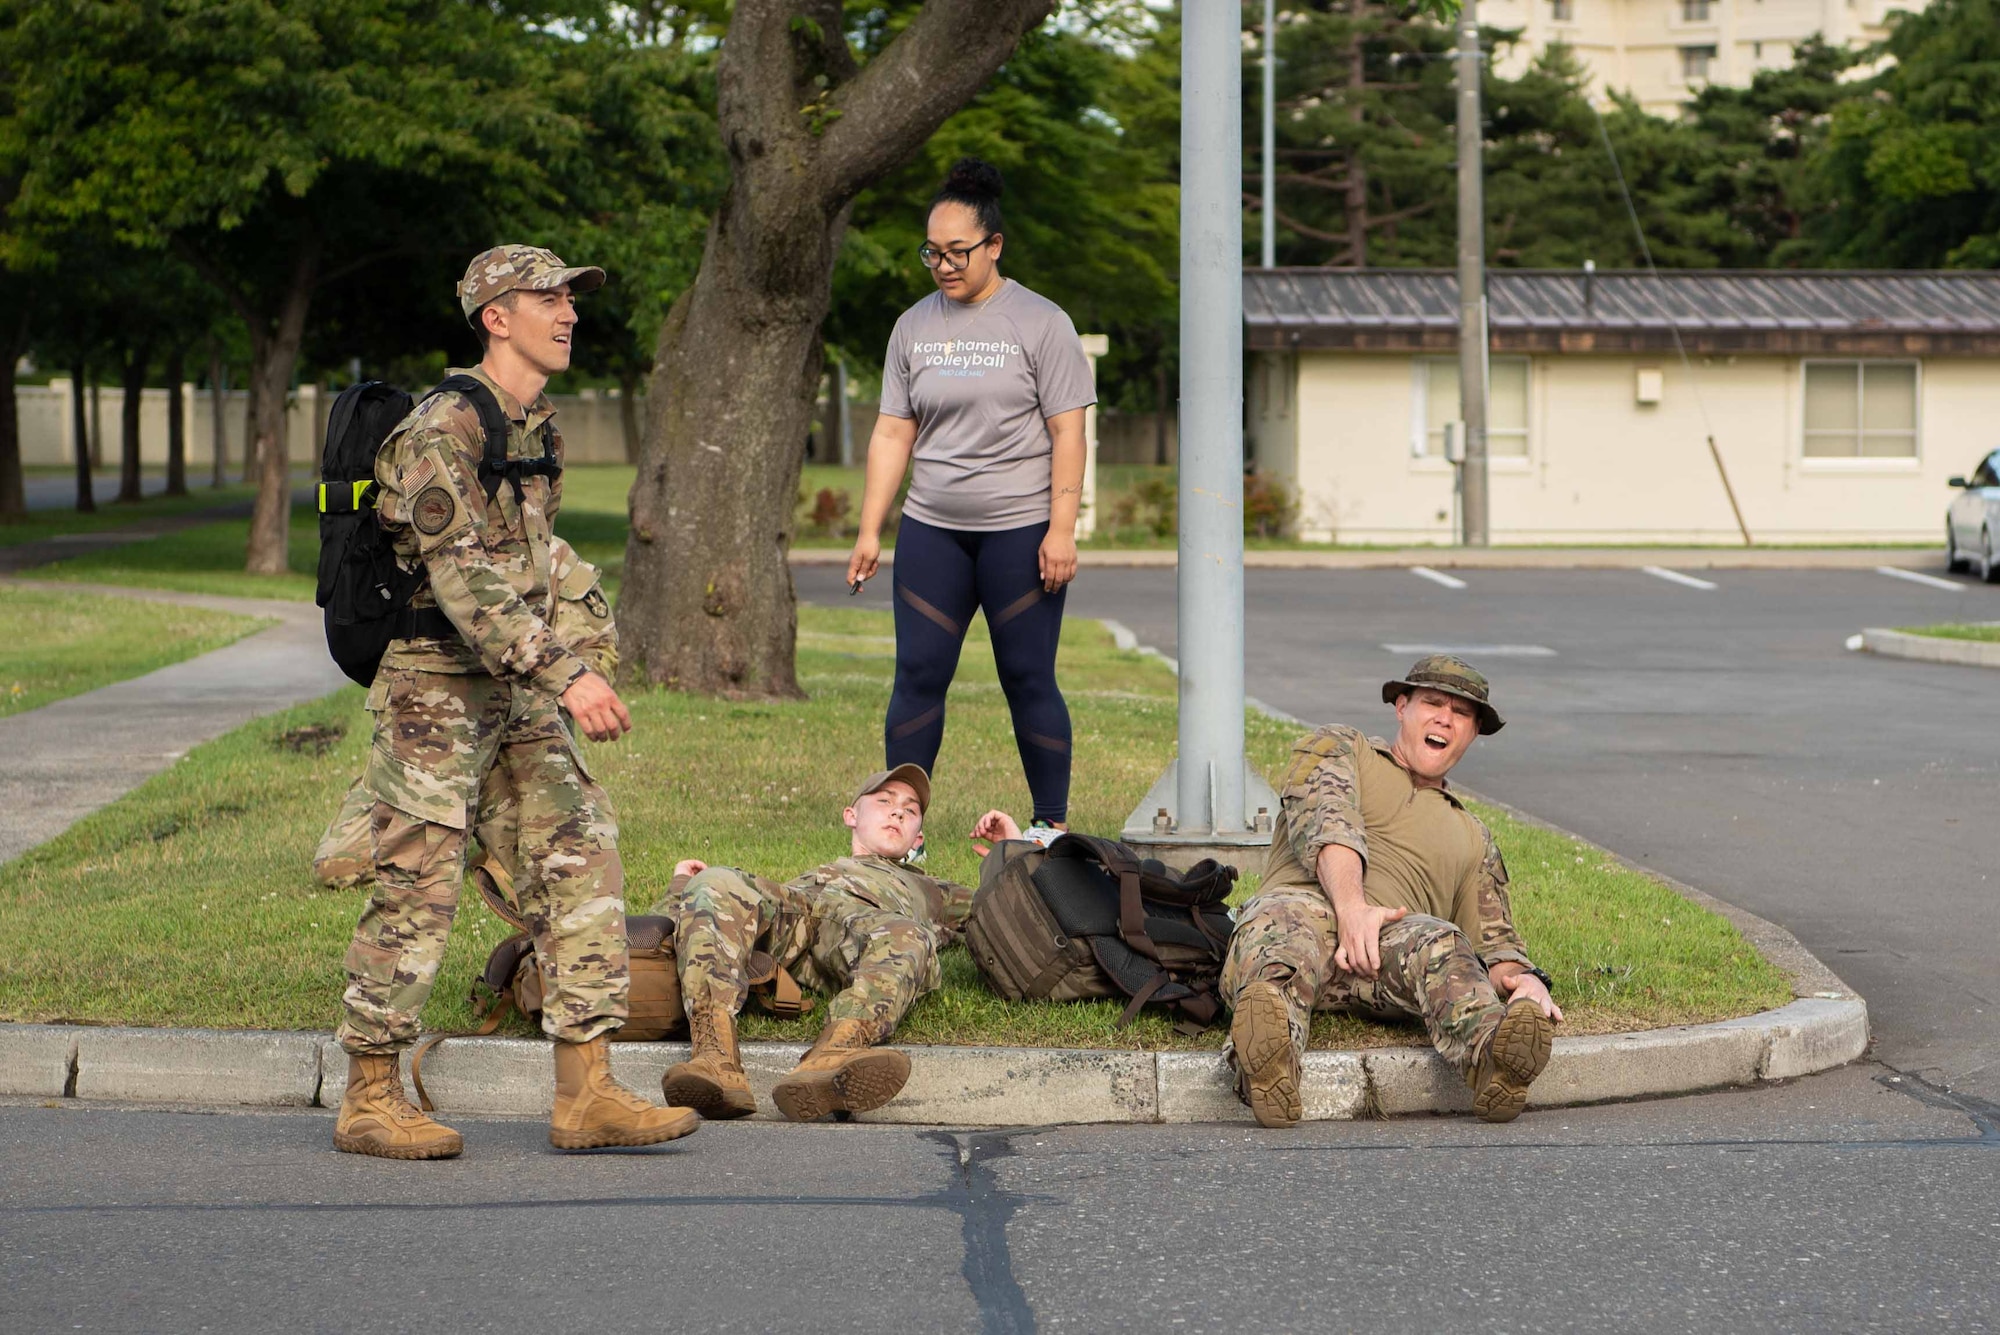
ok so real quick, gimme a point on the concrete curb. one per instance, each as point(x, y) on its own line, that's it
point(949, 1086)
point(1489, 558)
point(1931, 648)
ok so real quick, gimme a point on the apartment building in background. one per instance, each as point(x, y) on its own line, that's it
point(1664, 51)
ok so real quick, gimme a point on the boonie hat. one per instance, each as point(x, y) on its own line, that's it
point(911, 774)
point(1453, 676)
point(504, 269)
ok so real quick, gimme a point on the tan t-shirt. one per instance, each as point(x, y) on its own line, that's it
point(1420, 849)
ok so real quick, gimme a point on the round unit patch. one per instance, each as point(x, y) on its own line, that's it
point(595, 601)
point(432, 510)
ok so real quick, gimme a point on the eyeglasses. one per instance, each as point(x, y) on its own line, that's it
point(955, 258)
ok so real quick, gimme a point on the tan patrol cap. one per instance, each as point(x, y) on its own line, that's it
point(505, 269)
point(911, 774)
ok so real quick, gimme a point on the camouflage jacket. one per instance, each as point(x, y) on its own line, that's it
point(1420, 848)
point(582, 620)
point(894, 886)
point(488, 564)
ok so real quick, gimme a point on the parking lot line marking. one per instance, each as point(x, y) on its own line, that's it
point(1676, 577)
point(1476, 650)
point(1438, 577)
point(1916, 578)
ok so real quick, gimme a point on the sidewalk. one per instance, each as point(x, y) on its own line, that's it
point(67, 759)
point(1496, 558)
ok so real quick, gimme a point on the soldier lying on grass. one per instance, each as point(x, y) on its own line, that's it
point(866, 928)
point(1384, 895)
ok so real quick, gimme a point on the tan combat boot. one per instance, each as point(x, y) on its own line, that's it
point(1267, 1065)
point(842, 1072)
point(1515, 1055)
point(711, 1080)
point(593, 1110)
point(377, 1118)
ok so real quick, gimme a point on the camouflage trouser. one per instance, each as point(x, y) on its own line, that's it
point(874, 962)
point(345, 858)
point(1429, 970)
point(437, 736)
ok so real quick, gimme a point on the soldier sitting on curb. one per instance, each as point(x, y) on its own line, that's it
point(1383, 894)
point(582, 624)
point(866, 927)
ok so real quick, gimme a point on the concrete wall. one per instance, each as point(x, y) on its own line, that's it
point(590, 425)
point(1601, 467)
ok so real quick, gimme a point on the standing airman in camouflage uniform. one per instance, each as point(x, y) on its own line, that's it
point(1384, 895)
point(866, 927)
point(582, 623)
point(479, 681)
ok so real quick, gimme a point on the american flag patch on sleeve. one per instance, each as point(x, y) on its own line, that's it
point(417, 477)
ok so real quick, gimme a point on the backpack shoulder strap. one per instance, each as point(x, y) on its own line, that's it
point(492, 464)
point(1120, 861)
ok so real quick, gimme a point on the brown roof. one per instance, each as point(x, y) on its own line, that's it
point(1877, 313)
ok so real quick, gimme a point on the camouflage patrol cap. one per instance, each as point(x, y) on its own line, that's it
point(1453, 676)
point(911, 774)
point(504, 269)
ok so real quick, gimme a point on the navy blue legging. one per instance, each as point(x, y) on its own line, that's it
point(941, 575)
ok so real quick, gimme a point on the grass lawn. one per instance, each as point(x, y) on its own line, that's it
point(1989, 631)
point(37, 525)
point(190, 901)
point(61, 643)
point(205, 559)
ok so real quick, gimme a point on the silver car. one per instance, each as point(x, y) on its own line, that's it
point(1972, 521)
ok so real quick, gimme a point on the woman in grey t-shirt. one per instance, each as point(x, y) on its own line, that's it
point(984, 386)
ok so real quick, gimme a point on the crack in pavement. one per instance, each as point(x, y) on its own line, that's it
point(984, 1209)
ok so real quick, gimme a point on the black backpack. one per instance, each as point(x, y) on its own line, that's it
point(363, 587)
point(1089, 917)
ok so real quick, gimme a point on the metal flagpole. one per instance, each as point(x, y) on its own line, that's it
point(1471, 281)
point(1208, 797)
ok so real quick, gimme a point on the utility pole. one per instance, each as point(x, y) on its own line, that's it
point(1471, 281)
point(1208, 800)
point(1269, 216)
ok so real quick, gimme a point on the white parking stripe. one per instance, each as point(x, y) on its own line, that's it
point(1438, 577)
point(1916, 578)
point(1676, 577)
point(1476, 650)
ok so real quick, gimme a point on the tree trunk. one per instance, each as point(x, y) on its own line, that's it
point(218, 429)
point(1164, 404)
point(13, 487)
point(274, 355)
point(177, 444)
point(628, 414)
point(132, 376)
point(86, 503)
point(708, 603)
point(1357, 171)
point(250, 460)
point(96, 426)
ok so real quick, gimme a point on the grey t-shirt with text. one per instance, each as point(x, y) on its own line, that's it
point(979, 381)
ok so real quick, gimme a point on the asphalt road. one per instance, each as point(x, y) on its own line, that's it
point(1738, 1211)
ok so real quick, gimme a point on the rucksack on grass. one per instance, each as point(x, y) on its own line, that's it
point(364, 589)
point(1088, 917)
point(512, 981)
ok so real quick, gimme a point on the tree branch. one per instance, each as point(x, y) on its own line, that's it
point(215, 278)
point(901, 97)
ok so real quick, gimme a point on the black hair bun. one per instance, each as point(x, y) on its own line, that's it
point(970, 176)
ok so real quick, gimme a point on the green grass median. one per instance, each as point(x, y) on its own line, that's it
point(1985, 631)
point(39, 525)
point(190, 901)
point(61, 643)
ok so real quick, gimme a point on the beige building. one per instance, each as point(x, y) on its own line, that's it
point(1663, 51)
point(1839, 403)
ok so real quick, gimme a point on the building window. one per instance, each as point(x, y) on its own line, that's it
point(1506, 405)
point(1695, 61)
point(1562, 11)
point(1694, 11)
point(1860, 410)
